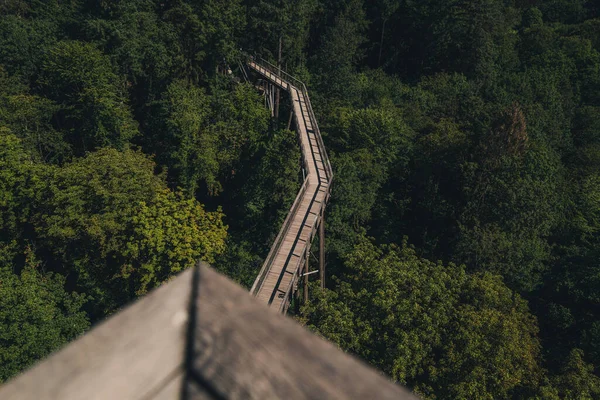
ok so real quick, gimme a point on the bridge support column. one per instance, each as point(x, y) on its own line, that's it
point(278, 92)
point(290, 120)
point(322, 248)
point(272, 93)
point(270, 97)
point(306, 257)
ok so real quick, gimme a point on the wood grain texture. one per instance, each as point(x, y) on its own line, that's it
point(126, 357)
point(227, 346)
point(248, 353)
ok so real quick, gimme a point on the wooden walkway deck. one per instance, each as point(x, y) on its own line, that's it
point(281, 270)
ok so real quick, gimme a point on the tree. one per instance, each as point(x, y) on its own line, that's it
point(266, 189)
point(386, 8)
point(192, 151)
point(564, 11)
point(201, 138)
point(37, 315)
point(368, 147)
point(30, 118)
point(23, 43)
point(20, 182)
point(513, 204)
point(434, 327)
point(577, 379)
point(187, 25)
point(340, 52)
point(108, 219)
point(142, 47)
point(223, 23)
point(281, 22)
point(358, 180)
point(93, 109)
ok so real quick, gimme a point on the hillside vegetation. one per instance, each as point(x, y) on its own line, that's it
point(463, 233)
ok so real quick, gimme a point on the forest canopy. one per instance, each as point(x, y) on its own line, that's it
point(463, 232)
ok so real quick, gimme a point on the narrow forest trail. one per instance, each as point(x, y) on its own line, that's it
point(280, 273)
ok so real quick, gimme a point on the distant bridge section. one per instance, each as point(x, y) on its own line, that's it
point(282, 269)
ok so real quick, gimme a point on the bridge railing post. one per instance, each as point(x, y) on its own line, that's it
point(307, 255)
point(322, 248)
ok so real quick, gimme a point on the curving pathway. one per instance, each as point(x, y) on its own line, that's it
point(280, 272)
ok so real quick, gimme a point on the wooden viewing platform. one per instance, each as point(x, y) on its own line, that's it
point(280, 273)
point(200, 336)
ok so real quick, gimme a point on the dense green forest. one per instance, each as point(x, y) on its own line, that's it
point(463, 233)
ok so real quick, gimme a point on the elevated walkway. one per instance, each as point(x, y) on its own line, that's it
point(280, 273)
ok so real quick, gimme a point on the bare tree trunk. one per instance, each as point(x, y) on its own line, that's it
point(278, 94)
point(381, 42)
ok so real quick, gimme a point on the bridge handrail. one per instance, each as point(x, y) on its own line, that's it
point(288, 290)
point(285, 80)
point(298, 83)
point(266, 267)
point(322, 149)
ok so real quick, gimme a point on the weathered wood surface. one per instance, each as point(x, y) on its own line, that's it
point(200, 337)
point(129, 356)
point(281, 271)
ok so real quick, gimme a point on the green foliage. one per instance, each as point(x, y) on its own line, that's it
point(23, 43)
point(378, 144)
point(563, 10)
point(29, 117)
point(193, 153)
point(110, 220)
point(93, 109)
point(206, 32)
point(169, 235)
point(577, 380)
point(513, 214)
point(288, 21)
point(358, 178)
point(222, 23)
point(340, 51)
point(140, 44)
point(205, 136)
point(37, 316)
point(238, 120)
point(380, 131)
point(469, 126)
point(262, 190)
point(19, 184)
point(258, 208)
point(446, 333)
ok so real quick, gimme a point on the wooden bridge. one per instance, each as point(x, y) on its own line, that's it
point(289, 255)
point(202, 337)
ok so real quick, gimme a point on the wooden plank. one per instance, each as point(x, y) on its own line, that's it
point(128, 356)
point(246, 353)
point(172, 388)
point(227, 346)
